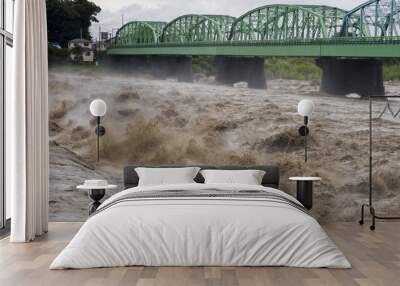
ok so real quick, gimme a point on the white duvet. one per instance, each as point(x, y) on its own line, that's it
point(202, 232)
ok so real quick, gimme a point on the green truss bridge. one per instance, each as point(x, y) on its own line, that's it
point(339, 38)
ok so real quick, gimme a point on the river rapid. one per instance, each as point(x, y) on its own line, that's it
point(152, 121)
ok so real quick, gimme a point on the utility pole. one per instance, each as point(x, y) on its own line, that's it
point(122, 19)
point(112, 31)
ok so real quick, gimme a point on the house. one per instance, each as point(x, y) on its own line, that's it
point(81, 50)
point(80, 43)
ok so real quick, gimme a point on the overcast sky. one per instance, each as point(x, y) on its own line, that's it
point(166, 10)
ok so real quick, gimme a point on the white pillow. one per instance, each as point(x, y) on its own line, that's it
point(165, 176)
point(247, 177)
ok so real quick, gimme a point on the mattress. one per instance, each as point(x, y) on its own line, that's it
point(201, 225)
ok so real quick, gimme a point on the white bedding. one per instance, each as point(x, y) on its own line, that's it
point(200, 231)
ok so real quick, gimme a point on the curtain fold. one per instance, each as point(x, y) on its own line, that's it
point(27, 119)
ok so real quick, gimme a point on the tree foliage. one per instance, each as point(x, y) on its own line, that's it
point(66, 19)
point(76, 51)
point(57, 56)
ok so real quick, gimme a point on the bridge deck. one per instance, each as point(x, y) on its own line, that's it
point(365, 48)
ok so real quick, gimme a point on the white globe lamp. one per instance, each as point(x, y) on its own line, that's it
point(98, 108)
point(305, 107)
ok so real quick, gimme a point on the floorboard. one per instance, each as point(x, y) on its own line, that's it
point(375, 257)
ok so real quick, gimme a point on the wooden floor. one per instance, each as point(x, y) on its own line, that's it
point(375, 257)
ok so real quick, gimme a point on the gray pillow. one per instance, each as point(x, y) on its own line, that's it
point(166, 176)
point(245, 177)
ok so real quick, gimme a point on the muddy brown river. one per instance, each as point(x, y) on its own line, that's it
point(166, 122)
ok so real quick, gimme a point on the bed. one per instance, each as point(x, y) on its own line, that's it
point(198, 224)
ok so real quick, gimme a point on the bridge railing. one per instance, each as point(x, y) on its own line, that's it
point(330, 41)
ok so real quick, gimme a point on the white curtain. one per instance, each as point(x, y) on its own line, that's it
point(27, 124)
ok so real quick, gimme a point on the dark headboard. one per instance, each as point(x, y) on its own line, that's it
point(271, 177)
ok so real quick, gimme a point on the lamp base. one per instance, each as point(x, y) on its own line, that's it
point(304, 131)
point(100, 130)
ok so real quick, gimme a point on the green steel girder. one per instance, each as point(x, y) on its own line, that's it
point(375, 18)
point(335, 47)
point(287, 22)
point(195, 28)
point(139, 32)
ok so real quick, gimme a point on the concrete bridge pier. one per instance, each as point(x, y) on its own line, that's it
point(344, 76)
point(138, 62)
point(116, 62)
point(172, 66)
point(183, 69)
point(127, 64)
point(159, 66)
point(234, 69)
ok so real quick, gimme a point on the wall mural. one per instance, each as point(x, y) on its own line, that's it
point(222, 110)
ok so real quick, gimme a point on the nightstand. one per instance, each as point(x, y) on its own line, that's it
point(95, 193)
point(305, 190)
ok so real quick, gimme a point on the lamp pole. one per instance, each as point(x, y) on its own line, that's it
point(305, 138)
point(100, 131)
point(98, 138)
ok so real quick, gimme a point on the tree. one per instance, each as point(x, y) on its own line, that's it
point(68, 19)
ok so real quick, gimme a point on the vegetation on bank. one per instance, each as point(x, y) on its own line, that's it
point(391, 72)
point(57, 55)
point(275, 68)
point(391, 69)
point(307, 69)
point(284, 68)
point(292, 68)
point(203, 64)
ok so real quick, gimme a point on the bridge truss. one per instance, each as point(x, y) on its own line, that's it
point(369, 30)
point(288, 22)
point(376, 18)
point(197, 28)
point(139, 32)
